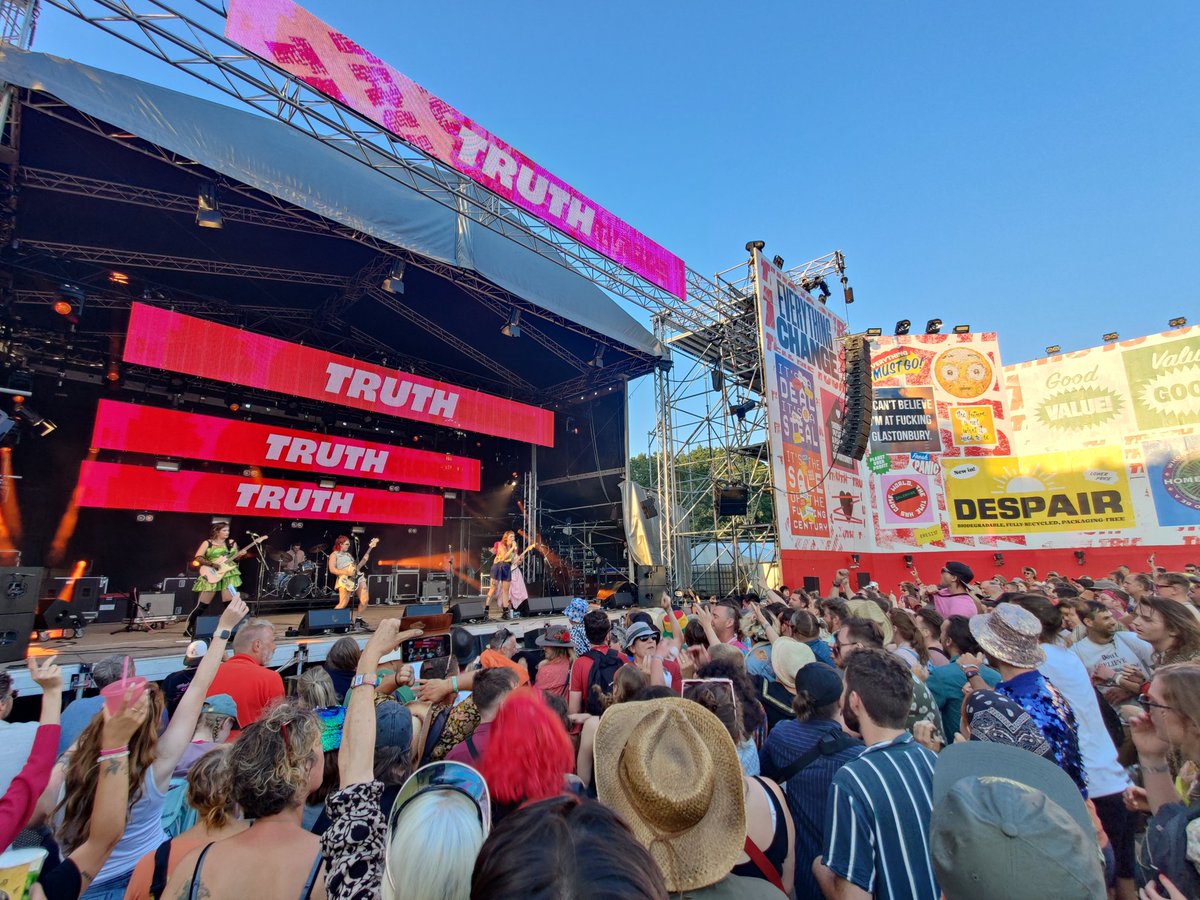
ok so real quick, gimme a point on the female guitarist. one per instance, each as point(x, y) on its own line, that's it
point(350, 577)
point(505, 558)
point(219, 574)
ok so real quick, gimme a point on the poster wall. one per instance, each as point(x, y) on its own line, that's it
point(820, 498)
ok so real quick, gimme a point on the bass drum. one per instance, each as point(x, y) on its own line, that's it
point(298, 587)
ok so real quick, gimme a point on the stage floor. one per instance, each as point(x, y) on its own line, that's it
point(158, 653)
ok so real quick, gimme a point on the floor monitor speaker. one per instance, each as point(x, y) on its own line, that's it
point(537, 606)
point(325, 621)
point(467, 610)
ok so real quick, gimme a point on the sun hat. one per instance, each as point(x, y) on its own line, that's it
point(555, 636)
point(1011, 634)
point(635, 631)
point(222, 705)
point(862, 608)
point(820, 681)
point(670, 770)
point(788, 656)
point(961, 571)
point(1008, 823)
point(576, 610)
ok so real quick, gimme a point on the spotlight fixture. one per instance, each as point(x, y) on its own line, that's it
point(208, 210)
point(358, 529)
point(874, 332)
point(512, 328)
point(902, 327)
point(751, 246)
point(166, 465)
point(998, 558)
point(327, 484)
point(394, 488)
point(118, 278)
point(741, 409)
point(449, 495)
point(34, 419)
point(933, 326)
point(1177, 322)
point(962, 329)
point(68, 302)
point(1053, 349)
point(598, 358)
point(854, 557)
point(908, 561)
point(394, 283)
point(1110, 336)
point(296, 523)
point(847, 291)
point(778, 261)
point(145, 517)
point(220, 520)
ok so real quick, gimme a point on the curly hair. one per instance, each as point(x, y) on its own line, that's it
point(83, 770)
point(720, 704)
point(752, 712)
point(210, 789)
point(270, 762)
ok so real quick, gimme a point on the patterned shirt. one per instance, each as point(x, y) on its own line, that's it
point(353, 844)
point(877, 822)
point(1053, 714)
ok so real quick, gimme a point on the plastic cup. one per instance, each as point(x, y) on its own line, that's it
point(19, 869)
point(114, 694)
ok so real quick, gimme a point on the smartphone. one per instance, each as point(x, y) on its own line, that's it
point(419, 649)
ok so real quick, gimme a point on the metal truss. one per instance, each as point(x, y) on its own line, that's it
point(189, 34)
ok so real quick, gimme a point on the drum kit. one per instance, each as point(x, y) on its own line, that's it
point(310, 579)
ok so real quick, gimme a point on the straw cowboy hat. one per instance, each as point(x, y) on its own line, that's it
point(1011, 634)
point(669, 768)
point(789, 656)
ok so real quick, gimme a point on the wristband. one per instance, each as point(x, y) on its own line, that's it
point(105, 757)
point(115, 750)
point(1163, 768)
point(454, 683)
point(371, 681)
point(970, 671)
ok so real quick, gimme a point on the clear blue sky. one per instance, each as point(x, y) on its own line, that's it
point(1027, 168)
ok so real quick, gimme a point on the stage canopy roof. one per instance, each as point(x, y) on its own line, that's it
point(71, 180)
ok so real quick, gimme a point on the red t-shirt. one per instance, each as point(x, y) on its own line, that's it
point(251, 685)
point(582, 669)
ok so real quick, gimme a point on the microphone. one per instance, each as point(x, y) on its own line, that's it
point(253, 534)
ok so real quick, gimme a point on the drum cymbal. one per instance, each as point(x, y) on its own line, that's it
point(318, 548)
point(276, 556)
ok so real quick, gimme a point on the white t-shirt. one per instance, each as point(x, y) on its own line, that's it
point(16, 742)
point(1124, 649)
point(1066, 672)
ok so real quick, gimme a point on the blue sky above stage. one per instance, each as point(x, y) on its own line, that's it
point(1025, 168)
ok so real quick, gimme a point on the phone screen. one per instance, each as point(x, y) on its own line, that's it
point(419, 649)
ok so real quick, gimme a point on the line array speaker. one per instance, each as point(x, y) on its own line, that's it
point(860, 396)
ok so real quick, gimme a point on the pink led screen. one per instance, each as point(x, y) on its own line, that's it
point(297, 41)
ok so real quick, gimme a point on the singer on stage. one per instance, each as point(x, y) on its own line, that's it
point(351, 579)
point(218, 552)
point(504, 553)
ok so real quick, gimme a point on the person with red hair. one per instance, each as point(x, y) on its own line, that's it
point(529, 756)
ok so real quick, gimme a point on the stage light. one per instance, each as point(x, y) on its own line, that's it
point(874, 332)
point(394, 283)
point(598, 359)
point(297, 524)
point(962, 329)
point(1053, 349)
point(908, 561)
point(220, 520)
point(208, 210)
point(358, 529)
point(778, 260)
point(68, 302)
point(166, 465)
point(933, 326)
point(394, 488)
point(1177, 322)
point(449, 495)
point(20, 384)
point(847, 291)
point(998, 558)
point(513, 327)
point(1080, 557)
point(751, 246)
point(118, 278)
point(35, 419)
point(1110, 336)
point(854, 557)
point(145, 517)
point(902, 327)
point(327, 484)
point(113, 373)
point(741, 409)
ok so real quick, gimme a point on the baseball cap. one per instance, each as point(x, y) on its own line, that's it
point(961, 571)
point(222, 705)
point(194, 653)
point(1008, 823)
point(393, 725)
point(820, 681)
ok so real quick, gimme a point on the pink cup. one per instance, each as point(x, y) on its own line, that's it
point(114, 694)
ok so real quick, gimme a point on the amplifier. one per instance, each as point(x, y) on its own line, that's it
point(434, 588)
point(20, 588)
point(380, 588)
point(174, 584)
point(112, 608)
point(159, 606)
point(408, 583)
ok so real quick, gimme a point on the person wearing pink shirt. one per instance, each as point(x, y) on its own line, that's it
point(952, 597)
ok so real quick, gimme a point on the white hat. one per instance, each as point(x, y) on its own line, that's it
point(195, 651)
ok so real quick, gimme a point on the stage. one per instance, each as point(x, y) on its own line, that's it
point(159, 652)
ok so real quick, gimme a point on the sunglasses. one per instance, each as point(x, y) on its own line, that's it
point(1147, 704)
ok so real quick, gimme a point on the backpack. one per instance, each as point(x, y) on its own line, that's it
point(177, 814)
point(604, 669)
point(1163, 850)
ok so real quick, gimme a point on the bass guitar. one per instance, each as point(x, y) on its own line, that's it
point(350, 582)
point(220, 567)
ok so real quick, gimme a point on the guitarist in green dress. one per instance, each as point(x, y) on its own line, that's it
point(219, 574)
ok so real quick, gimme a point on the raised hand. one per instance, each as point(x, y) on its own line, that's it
point(120, 727)
point(1145, 738)
point(234, 612)
point(47, 675)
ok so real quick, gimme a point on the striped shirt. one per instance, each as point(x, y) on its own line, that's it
point(877, 823)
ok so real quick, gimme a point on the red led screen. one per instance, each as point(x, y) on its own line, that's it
point(116, 486)
point(166, 432)
point(167, 340)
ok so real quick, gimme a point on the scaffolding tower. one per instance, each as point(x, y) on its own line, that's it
point(712, 431)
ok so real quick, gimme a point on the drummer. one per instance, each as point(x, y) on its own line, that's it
point(292, 559)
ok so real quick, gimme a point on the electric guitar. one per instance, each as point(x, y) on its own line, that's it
point(350, 582)
point(223, 565)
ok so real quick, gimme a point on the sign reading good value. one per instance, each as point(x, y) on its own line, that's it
point(1072, 490)
point(116, 486)
point(298, 42)
point(165, 432)
point(167, 340)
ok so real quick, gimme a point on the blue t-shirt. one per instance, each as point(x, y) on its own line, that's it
point(76, 717)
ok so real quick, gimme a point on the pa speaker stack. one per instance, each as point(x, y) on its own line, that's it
point(860, 395)
point(19, 592)
point(731, 499)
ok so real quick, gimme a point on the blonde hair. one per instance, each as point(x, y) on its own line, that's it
point(314, 688)
point(1181, 689)
point(210, 789)
point(431, 848)
point(269, 763)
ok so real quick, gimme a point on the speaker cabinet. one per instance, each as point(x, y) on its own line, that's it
point(20, 588)
point(206, 627)
point(864, 578)
point(380, 588)
point(620, 600)
point(15, 629)
point(86, 591)
point(537, 606)
point(860, 396)
point(424, 609)
point(559, 604)
point(325, 621)
point(812, 584)
point(469, 609)
point(732, 499)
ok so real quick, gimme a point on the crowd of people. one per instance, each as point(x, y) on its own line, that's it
point(1038, 736)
